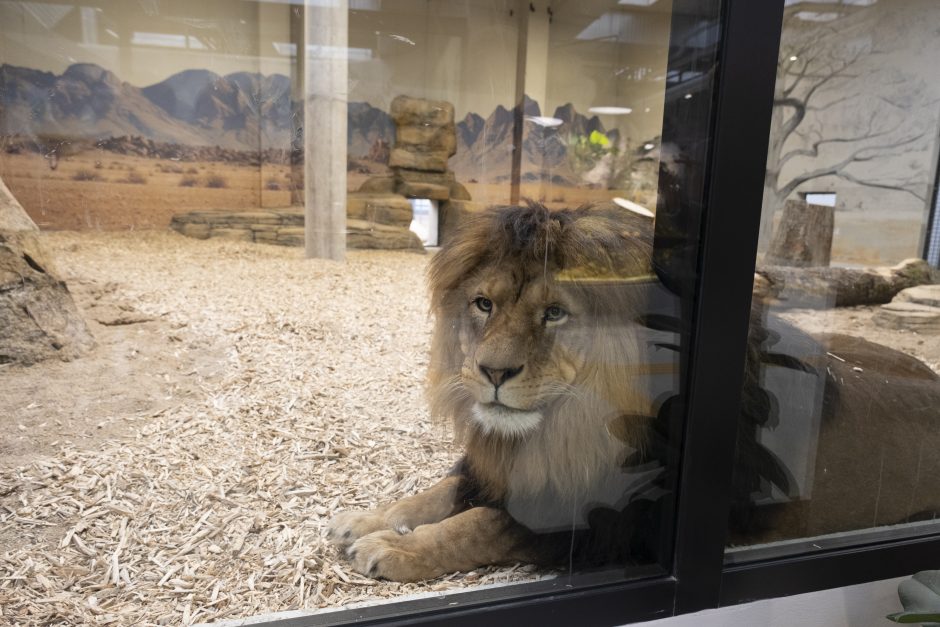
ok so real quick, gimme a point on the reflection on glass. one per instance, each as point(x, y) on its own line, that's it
point(841, 404)
point(220, 398)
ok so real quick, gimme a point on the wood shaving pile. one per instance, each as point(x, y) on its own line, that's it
point(215, 506)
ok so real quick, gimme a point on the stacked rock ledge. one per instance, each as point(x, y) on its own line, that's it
point(285, 227)
point(913, 309)
point(379, 213)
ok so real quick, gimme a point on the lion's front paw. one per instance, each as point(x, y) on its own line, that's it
point(390, 555)
point(347, 527)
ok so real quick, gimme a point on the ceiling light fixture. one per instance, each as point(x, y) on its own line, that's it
point(629, 205)
point(544, 121)
point(610, 110)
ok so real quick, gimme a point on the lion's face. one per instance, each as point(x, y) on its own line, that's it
point(523, 340)
point(535, 332)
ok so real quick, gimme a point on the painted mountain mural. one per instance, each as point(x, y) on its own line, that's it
point(251, 112)
point(194, 107)
point(485, 146)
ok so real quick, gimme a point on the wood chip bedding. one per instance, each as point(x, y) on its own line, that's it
point(215, 506)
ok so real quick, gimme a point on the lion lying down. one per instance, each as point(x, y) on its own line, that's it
point(538, 344)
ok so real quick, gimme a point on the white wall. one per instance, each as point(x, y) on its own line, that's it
point(865, 605)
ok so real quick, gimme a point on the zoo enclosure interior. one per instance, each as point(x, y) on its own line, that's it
point(587, 159)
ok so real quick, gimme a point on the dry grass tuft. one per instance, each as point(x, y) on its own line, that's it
point(134, 177)
point(216, 181)
point(86, 175)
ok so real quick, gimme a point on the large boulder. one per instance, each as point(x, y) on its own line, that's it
point(390, 209)
point(38, 317)
point(362, 234)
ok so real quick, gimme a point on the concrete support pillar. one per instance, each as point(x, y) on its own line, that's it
point(531, 74)
point(297, 68)
point(326, 35)
point(532, 60)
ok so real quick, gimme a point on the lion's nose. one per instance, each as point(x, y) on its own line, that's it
point(498, 376)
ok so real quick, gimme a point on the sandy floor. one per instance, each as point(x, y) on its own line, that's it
point(239, 395)
point(185, 470)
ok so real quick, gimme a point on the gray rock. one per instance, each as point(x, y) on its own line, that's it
point(908, 316)
point(291, 236)
point(390, 209)
point(431, 161)
point(920, 294)
point(420, 176)
point(427, 138)
point(236, 235)
point(192, 229)
point(38, 318)
point(378, 185)
point(408, 111)
point(424, 190)
point(362, 234)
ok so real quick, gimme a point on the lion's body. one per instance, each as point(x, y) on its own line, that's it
point(535, 356)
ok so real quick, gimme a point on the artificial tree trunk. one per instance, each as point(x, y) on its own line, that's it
point(804, 236)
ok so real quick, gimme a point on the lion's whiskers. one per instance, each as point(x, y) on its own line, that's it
point(562, 389)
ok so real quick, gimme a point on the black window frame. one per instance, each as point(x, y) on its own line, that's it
point(724, 221)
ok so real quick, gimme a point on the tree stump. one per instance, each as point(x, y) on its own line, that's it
point(804, 236)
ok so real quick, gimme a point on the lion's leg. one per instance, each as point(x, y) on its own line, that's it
point(479, 536)
point(433, 505)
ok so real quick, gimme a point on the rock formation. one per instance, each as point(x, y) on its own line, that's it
point(38, 318)
point(913, 309)
point(378, 214)
point(425, 139)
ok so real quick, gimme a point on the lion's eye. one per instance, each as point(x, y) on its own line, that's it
point(484, 304)
point(554, 313)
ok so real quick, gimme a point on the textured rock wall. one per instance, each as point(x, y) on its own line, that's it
point(38, 318)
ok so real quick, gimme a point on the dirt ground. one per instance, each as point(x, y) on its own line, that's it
point(101, 190)
point(113, 192)
point(239, 395)
point(858, 321)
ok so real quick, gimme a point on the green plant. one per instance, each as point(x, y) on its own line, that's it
point(586, 151)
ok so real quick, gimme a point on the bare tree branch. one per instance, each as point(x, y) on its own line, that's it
point(835, 169)
point(882, 185)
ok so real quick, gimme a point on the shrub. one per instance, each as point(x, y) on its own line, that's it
point(189, 181)
point(85, 175)
point(272, 184)
point(135, 177)
point(192, 171)
point(216, 181)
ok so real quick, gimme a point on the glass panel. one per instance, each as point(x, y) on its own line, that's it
point(214, 331)
point(840, 411)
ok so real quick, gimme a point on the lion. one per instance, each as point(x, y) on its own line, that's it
point(541, 333)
